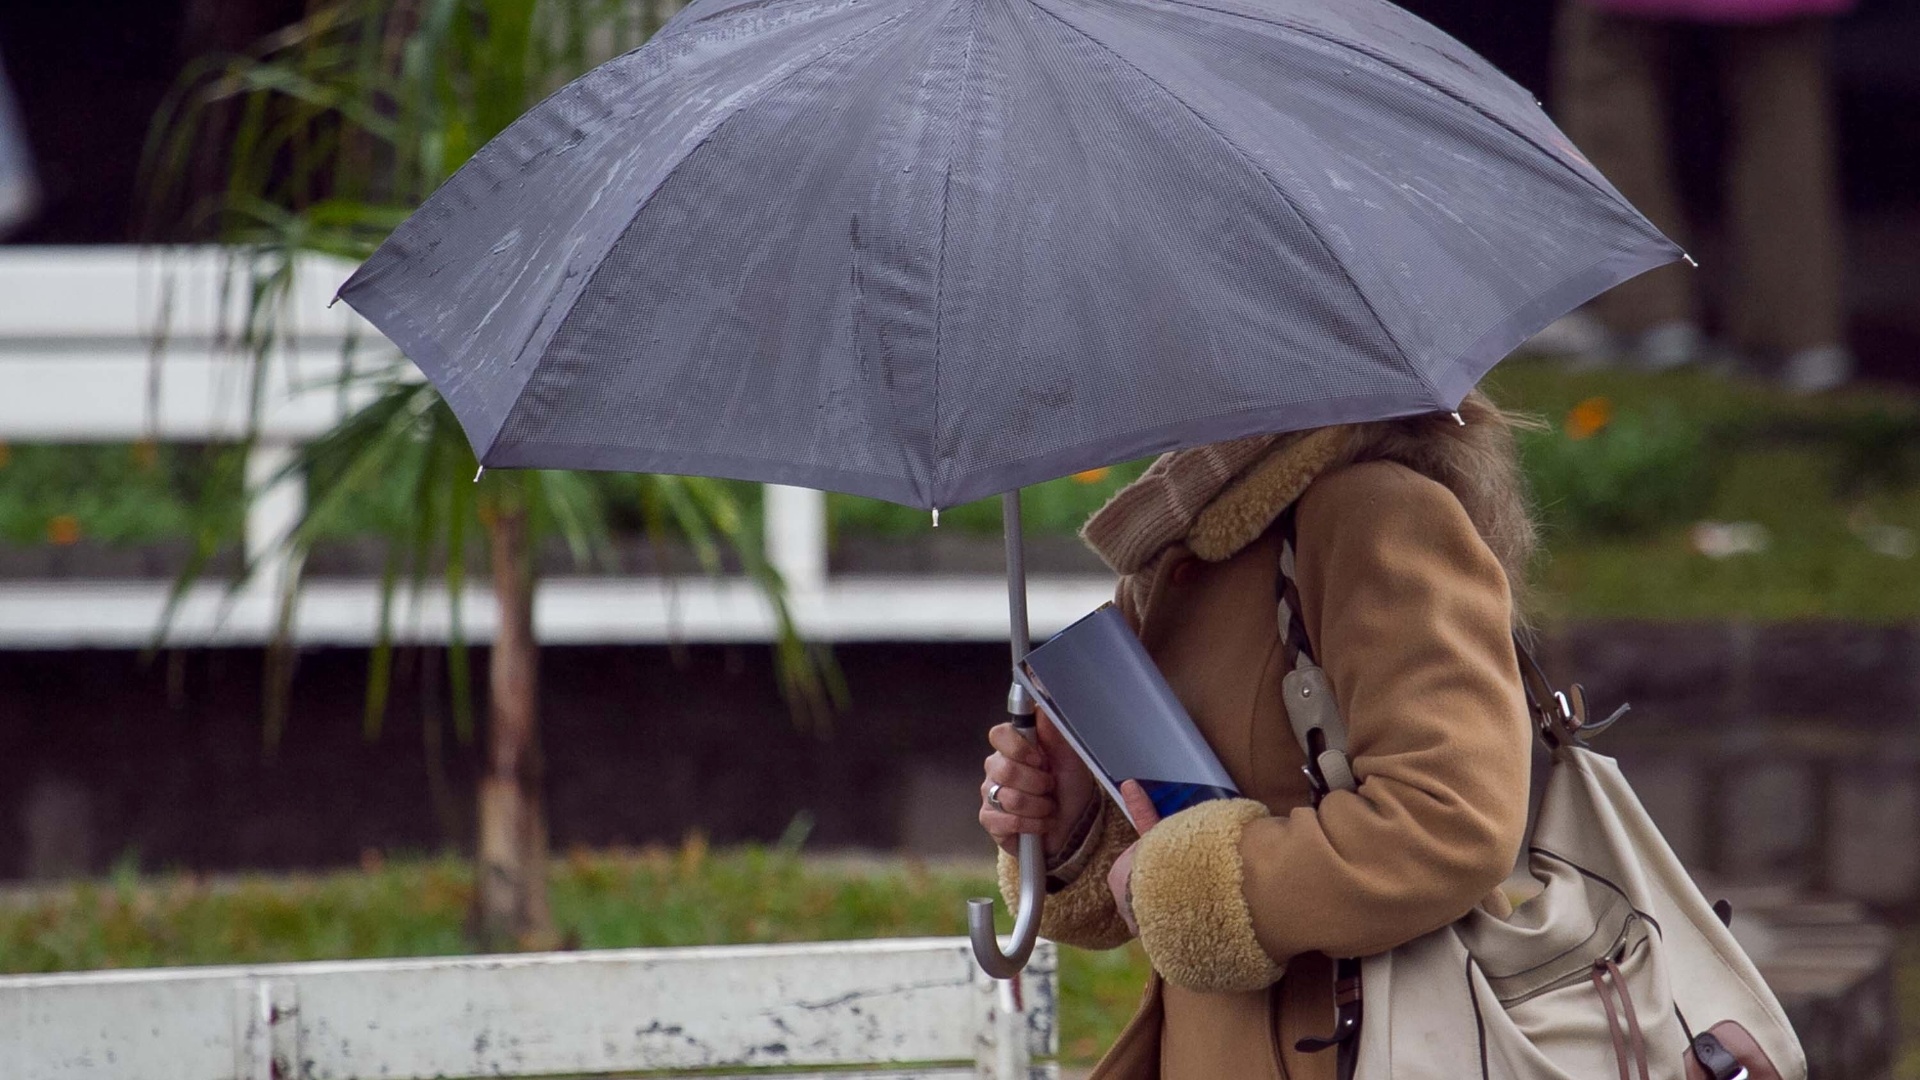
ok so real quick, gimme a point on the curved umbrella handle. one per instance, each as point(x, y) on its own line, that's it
point(1033, 891)
point(1020, 705)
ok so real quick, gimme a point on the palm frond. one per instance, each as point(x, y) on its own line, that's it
point(325, 135)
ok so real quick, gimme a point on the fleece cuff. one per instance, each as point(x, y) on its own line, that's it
point(1188, 900)
point(1082, 912)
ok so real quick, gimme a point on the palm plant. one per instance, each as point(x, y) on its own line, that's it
point(322, 139)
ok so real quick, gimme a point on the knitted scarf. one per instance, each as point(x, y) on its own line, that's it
point(1218, 498)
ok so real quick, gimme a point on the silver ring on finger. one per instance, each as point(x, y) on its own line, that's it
point(993, 797)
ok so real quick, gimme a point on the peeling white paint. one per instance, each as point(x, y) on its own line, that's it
point(782, 1007)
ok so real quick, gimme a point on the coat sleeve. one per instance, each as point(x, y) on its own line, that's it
point(1409, 614)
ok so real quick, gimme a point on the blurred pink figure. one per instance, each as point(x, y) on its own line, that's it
point(1724, 11)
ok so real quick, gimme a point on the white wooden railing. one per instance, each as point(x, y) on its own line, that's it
point(891, 1008)
point(78, 364)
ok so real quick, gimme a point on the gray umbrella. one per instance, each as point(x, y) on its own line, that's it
point(16, 173)
point(930, 250)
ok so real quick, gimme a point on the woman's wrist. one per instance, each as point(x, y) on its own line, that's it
point(1078, 820)
point(1070, 860)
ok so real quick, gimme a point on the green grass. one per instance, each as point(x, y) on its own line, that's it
point(1811, 471)
point(417, 907)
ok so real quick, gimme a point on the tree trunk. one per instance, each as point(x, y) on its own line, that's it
point(510, 878)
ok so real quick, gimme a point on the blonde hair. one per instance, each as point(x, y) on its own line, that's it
point(1476, 460)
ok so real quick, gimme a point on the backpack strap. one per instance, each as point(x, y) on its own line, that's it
point(1315, 717)
point(1560, 717)
point(1311, 709)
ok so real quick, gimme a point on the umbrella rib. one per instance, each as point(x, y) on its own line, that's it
point(1248, 160)
point(938, 479)
point(665, 179)
point(1387, 61)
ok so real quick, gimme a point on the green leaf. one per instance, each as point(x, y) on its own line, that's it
point(324, 137)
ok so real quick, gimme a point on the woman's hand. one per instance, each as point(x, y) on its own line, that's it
point(1140, 811)
point(1044, 787)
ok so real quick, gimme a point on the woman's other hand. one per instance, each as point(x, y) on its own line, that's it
point(1044, 787)
point(1143, 814)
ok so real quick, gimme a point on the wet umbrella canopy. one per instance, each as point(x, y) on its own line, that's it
point(931, 250)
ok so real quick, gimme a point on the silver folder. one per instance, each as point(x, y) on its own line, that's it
point(1116, 710)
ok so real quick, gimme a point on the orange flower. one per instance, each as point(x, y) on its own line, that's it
point(63, 530)
point(146, 454)
point(1589, 418)
point(1091, 476)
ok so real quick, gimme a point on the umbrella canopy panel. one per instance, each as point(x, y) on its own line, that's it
point(930, 250)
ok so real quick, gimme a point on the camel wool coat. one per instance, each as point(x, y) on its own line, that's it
point(1241, 902)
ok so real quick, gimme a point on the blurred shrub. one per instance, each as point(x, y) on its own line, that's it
point(1056, 507)
point(1877, 451)
point(1601, 472)
point(117, 493)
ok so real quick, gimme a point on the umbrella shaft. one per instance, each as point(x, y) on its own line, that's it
point(1016, 575)
point(1019, 705)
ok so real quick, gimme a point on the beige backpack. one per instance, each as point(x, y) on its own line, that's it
point(1617, 967)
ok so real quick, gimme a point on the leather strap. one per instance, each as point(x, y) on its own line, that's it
point(1634, 1036)
point(1293, 631)
point(1613, 1021)
point(1317, 724)
point(1311, 711)
point(1629, 1045)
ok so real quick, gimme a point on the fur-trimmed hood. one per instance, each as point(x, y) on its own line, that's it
point(1218, 499)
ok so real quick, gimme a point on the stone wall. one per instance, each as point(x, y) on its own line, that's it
point(1785, 753)
point(1781, 754)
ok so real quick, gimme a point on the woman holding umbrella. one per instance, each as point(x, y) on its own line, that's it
point(1411, 540)
point(929, 252)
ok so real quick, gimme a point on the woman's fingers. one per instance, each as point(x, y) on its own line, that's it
point(1019, 803)
point(1051, 741)
point(1016, 746)
point(1140, 808)
point(1020, 778)
point(1006, 829)
point(1003, 770)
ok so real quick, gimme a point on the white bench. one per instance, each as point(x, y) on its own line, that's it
point(896, 1008)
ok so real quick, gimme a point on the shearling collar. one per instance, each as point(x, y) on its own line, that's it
point(1217, 498)
point(1251, 504)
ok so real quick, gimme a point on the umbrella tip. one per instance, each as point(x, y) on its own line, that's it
point(477, 475)
point(936, 517)
point(1690, 260)
point(1458, 419)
